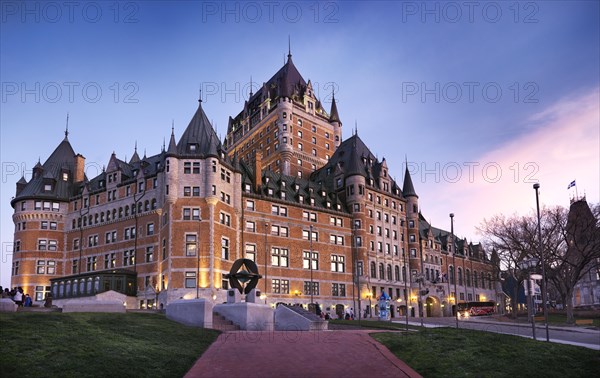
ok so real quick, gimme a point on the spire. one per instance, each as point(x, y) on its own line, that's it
point(172, 145)
point(67, 128)
point(289, 48)
point(408, 188)
point(135, 157)
point(250, 88)
point(333, 114)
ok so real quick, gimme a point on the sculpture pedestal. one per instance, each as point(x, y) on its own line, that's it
point(248, 316)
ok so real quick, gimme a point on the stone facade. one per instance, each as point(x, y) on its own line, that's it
point(321, 216)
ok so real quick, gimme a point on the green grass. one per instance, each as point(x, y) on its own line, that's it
point(374, 324)
point(98, 344)
point(446, 352)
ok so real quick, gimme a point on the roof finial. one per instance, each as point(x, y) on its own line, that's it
point(289, 47)
point(164, 144)
point(200, 94)
point(250, 87)
point(135, 148)
point(172, 127)
point(355, 127)
point(67, 127)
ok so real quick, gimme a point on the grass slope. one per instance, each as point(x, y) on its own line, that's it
point(97, 344)
point(446, 352)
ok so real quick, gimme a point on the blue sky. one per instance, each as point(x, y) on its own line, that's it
point(482, 101)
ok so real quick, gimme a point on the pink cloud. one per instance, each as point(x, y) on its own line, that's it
point(563, 146)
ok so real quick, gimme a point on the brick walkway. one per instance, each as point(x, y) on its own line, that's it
point(299, 354)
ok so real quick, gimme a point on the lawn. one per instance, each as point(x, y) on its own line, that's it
point(447, 352)
point(374, 324)
point(98, 345)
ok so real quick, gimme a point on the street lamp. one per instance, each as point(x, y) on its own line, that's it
point(266, 259)
point(310, 261)
point(452, 247)
point(536, 186)
point(198, 259)
point(528, 265)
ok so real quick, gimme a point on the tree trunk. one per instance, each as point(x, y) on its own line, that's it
point(515, 302)
point(569, 307)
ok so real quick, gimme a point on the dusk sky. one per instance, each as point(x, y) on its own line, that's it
point(482, 99)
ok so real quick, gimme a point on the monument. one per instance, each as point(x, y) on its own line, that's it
point(245, 312)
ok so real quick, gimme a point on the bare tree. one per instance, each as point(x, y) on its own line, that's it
point(570, 242)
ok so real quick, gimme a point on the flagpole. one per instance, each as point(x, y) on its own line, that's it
point(576, 194)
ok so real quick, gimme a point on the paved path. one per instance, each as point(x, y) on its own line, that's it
point(579, 336)
point(337, 354)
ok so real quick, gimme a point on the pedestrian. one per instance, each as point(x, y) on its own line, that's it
point(28, 302)
point(18, 298)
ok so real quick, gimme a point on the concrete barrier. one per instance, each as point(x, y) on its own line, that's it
point(7, 305)
point(296, 319)
point(93, 306)
point(191, 312)
point(248, 316)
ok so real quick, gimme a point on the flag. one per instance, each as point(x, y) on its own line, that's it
point(572, 184)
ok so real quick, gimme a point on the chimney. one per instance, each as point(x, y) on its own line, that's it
point(79, 168)
point(257, 171)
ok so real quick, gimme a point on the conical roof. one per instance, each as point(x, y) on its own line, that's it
point(333, 114)
point(408, 189)
point(199, 138)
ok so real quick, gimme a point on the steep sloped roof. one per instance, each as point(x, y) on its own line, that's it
point(62, 159)
point(199, 138)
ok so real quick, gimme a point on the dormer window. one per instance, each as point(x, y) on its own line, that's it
point(65, 176)
point(192, 147)
point(301, 198)
point(47, 187)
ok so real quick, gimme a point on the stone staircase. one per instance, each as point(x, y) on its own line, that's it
point(222, 324)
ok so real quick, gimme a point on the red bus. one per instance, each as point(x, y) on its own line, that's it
point(476, 308)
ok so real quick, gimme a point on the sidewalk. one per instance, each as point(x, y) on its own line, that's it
point(349, 354)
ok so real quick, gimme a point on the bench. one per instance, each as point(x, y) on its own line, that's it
point(539, 318)
point(584, 322)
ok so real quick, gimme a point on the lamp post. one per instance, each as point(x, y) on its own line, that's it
point(405, 287)
point(454, 267)
point(536, 186)
point(266, 259)
point(198, 259)
point(527, 265)
point(310, 261)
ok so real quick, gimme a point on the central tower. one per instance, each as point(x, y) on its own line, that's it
point(285, 125)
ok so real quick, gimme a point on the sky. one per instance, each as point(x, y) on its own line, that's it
point(481, 99)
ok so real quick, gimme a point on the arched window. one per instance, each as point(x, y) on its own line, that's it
point(381, 272)
point(460, 277)
point(120, 212)
point(154, 204)
point(126, 210)
point(404, 273)
point(373, 270)
point(451, 272)
point(389, 272)
point(147, 205)
point(482, 280)
point(475, 283)
point(139, 207)
point(427, 274)
point(397, 273)
point(468, 277)
point(490, 281)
